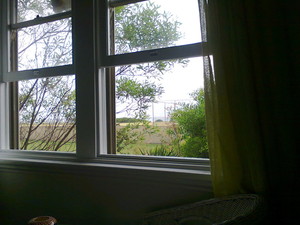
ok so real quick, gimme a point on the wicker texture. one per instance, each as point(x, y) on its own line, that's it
point(43, 220)
point(237, 209)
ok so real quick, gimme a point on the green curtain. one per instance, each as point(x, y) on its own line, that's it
point(232, 112)
point(252, 94)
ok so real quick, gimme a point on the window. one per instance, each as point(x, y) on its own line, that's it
point(39, 71)
point(95, 78)
point(151, 48)
point(153, 24)
point(160, 113)
point(47, 117)
point(44, 45)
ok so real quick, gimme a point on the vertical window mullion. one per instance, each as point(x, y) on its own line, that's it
point(86, 77)
point(4, 87)
point(14, 115)
point(111, 110)
point(4, 116)
point(8, 105)
point(4, 39)
point(105, 91)
point(13, 97)
point(110, 83)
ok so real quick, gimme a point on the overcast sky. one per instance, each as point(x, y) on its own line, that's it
point(180, 82)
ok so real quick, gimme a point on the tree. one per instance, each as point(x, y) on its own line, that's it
point(141, 27)
point(47, 109)
point(132, 133)
point(191, 122)
point(46, 106)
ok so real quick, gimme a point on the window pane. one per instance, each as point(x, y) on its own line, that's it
point(45, 45)
point(30, 9)
point(156, 24)
point(160, 109)
point(47, 117)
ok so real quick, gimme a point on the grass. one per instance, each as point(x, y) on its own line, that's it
point(150, 149)
point(68, 147)
point(137, 149)
point(133, 149)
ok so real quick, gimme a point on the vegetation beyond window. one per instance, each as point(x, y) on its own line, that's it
point(155, 24)
point(159, 105)
point(47, 114)
point(161, 113)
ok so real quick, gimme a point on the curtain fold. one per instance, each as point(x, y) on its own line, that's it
point(232, 112)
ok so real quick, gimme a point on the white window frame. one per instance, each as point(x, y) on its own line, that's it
point(8, 23)
point(90, 57)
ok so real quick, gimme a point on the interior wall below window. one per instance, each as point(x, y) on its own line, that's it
point(92, 196)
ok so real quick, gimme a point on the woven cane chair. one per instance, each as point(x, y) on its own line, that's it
point(238, 209)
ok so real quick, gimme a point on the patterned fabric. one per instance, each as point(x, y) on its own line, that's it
point(43, 220)
point(237, 209)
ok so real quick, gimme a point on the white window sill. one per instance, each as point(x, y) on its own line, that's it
point(192, 172)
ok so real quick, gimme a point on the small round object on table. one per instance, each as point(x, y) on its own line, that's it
point(42, 220)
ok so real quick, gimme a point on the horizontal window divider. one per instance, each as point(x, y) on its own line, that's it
point(169, 53)
point(41, 20)
point(39, 73)
point(116, 3)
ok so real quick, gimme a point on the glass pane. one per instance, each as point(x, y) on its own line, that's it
point(47, 116)
point(30, 9)
point(45, 45)
point(160, 109)
point(156, 24)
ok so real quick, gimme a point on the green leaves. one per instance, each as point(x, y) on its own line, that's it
point(47, 113)
point(191, 122)
point(191, 117)
point(144, 26)
point(136, 95)
point(133, 133)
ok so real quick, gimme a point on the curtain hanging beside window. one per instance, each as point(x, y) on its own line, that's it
point(235, 147)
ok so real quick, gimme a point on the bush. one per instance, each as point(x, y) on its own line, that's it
point(161, 150)
point(128, 120)
point(190, 119)
point(195, 147)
